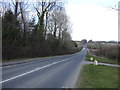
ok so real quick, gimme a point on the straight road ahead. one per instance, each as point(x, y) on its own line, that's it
point(53, 72)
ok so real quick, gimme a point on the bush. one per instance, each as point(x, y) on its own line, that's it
point(108, 51)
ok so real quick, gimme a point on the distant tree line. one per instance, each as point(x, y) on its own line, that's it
point(26, 35)
point(112, 42)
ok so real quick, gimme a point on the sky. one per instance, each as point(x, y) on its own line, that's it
point(93, 19)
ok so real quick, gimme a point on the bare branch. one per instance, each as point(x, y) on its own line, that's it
point(38, 13)
point(12, 2)
point(50, 6)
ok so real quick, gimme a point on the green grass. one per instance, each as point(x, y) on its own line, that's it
point(98, 77)
point(100, 59)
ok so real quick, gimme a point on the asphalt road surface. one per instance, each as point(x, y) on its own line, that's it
point(52, 72)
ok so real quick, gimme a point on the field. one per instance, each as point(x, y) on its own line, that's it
point(98, 77)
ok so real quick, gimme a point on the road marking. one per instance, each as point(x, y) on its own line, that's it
point(36, 69)
point(82, 49)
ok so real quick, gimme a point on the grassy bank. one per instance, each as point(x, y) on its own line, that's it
point(98, 77)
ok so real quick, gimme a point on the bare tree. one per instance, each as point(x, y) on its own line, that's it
point(60, 21)
point(23, 7)
point(15, 14)
point(44, 8)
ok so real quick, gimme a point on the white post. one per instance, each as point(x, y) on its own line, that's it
point(91, 58)
point(95, 62)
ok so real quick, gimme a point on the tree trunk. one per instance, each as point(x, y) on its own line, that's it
point(55, 29)
point(59, 34)
point(41, 27)
point(46, 24)
point(15, 15)
point(24, 23)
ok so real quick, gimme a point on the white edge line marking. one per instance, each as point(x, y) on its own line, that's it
point(36, 69)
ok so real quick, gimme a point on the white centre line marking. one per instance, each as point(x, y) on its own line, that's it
point(36, 69)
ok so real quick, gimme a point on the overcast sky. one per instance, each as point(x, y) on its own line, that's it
point(93, 19)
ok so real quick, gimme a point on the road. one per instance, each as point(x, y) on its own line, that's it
point(52, 72)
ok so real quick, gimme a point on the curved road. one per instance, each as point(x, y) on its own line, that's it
point(52, 72)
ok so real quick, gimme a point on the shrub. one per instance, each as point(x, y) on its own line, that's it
point(108, 51)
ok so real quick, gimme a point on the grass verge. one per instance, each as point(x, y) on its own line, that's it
point(100, 59)
point(23, 59)
point(98, 77)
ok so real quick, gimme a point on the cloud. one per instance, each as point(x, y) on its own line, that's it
point(93, 22)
